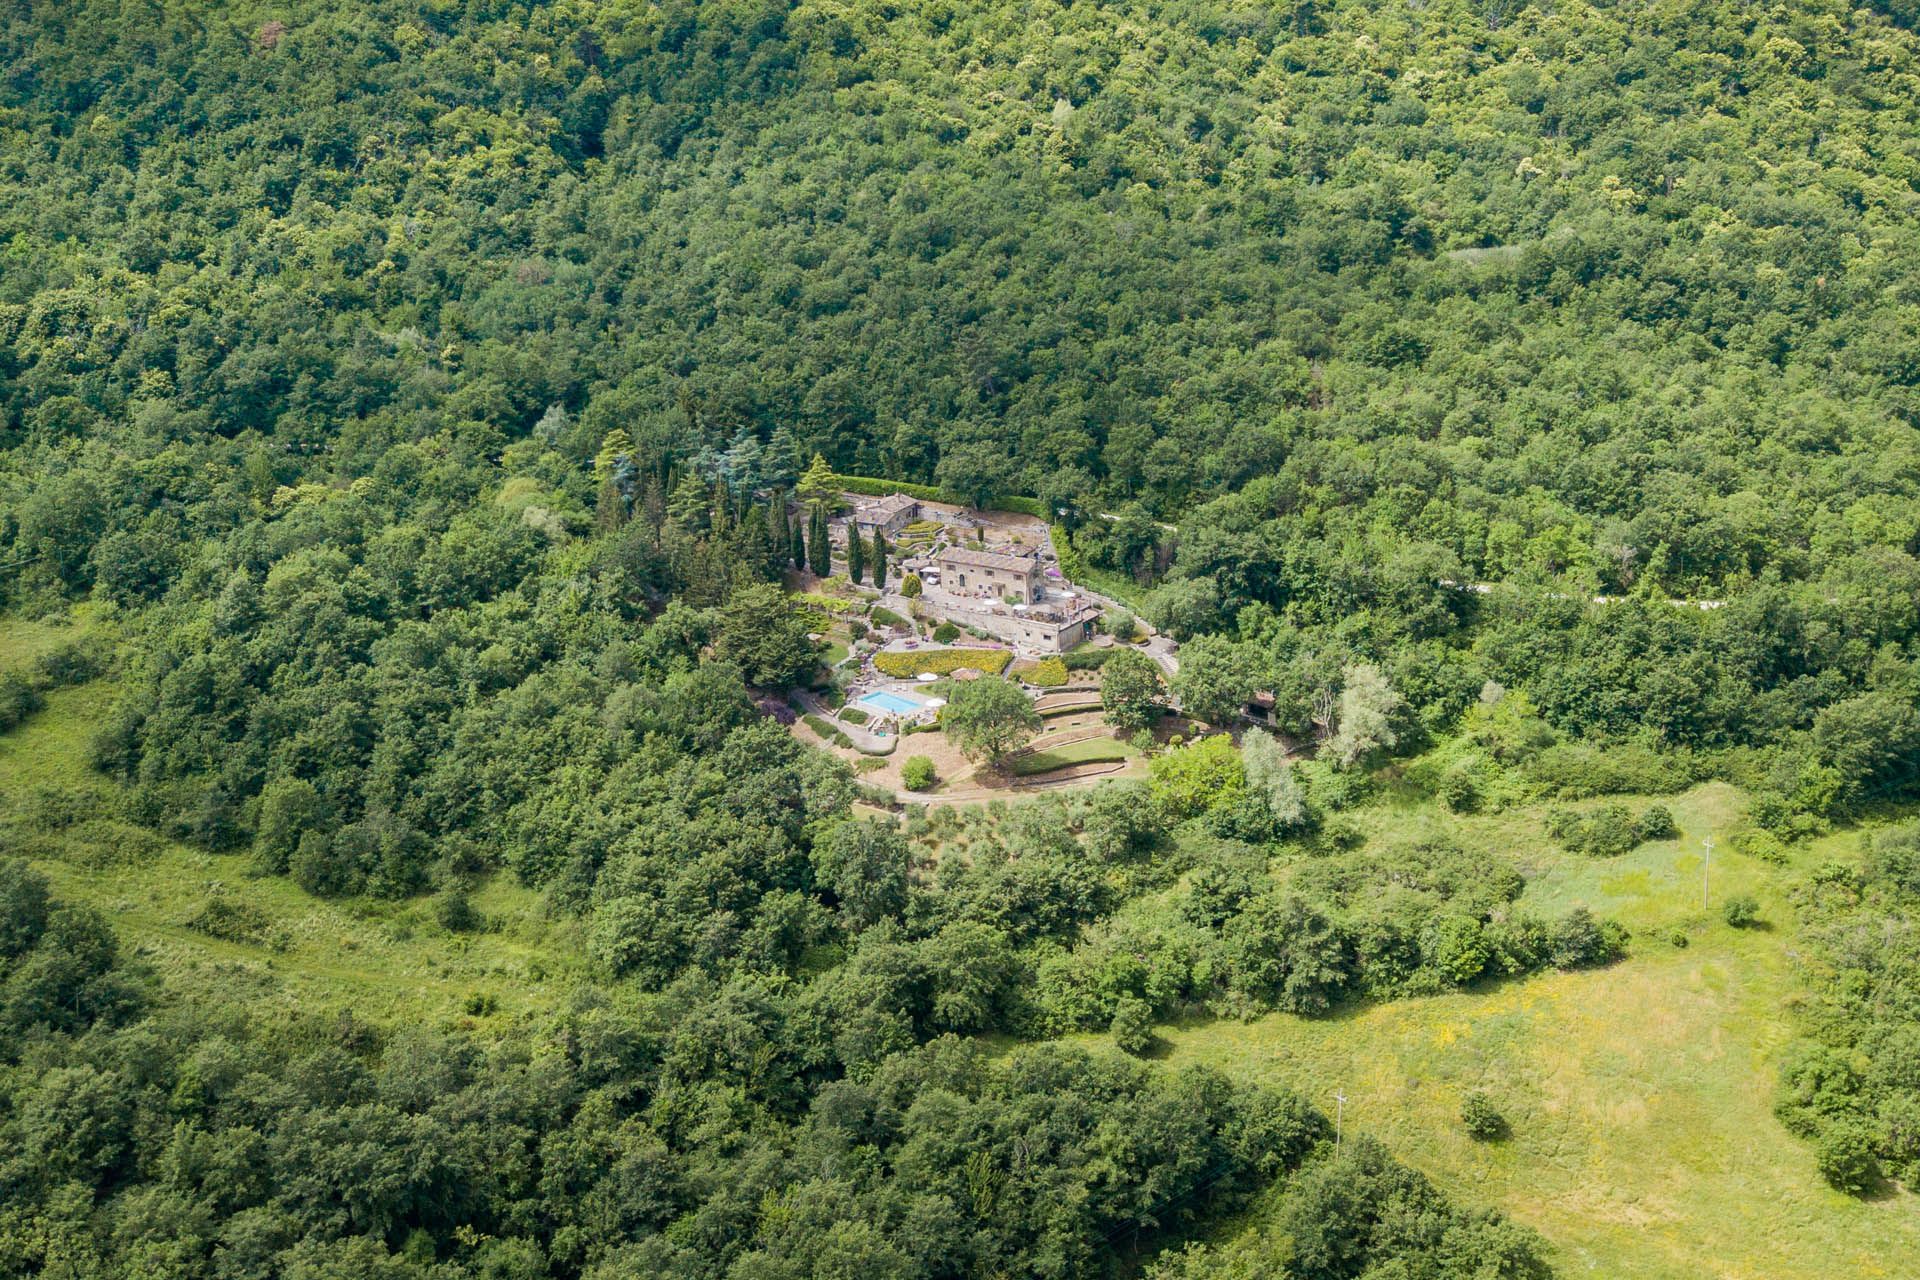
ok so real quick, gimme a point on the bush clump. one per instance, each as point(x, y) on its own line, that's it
point(918, 773)
point(946, 633)
point(1740, 910)
point(1482, 1119)
point(1610, 830)
point(1132, 1025)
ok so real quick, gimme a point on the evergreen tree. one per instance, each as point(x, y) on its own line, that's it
point(797, 551)
point(777, 519)
point(879, 560)
point(614, 446)
point(819, 545)
point(687, 508)
point(609, 508)
point(744, 463)
point(817, 487)
point(780, 465)
point(754, 552)
point(653, 505)
point(856, 553)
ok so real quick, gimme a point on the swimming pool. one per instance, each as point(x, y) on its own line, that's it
point(891, 703)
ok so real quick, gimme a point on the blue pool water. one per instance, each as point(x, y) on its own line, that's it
point(891, 703)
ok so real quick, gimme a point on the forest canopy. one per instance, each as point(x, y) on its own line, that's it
point(412, 390)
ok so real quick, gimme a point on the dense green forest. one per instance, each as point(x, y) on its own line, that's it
point(399, 386)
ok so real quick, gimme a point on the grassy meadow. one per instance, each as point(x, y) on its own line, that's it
point(388, 962)
point(1639, 1096)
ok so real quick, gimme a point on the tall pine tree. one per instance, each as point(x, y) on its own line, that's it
point(856, 553)
point(879, 560)
point(798, 551)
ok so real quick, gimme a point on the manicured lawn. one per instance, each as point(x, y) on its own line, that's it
point(1086, 751)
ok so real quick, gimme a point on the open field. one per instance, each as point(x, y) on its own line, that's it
point(385, 961)
point(1640, 1096)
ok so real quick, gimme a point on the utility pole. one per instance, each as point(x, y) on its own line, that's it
point(1339, 1117)
point(1706, 876)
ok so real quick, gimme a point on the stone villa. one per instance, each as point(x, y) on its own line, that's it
point(988, 573)
point(888, 515)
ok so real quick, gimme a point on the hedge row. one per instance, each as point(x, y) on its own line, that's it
point(940, 662)
point(828, 732)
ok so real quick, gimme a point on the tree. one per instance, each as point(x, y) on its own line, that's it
point(879, 560)
point(1192, 778)
point(910, 586)
point(762, 633)
point(779, 533)
point(856, 554)
point(819, 544)
point(817, 488)
point(616, 446)
point(864, 865)
point(797, 551)
point(1368, 707)
point(1130, 690)
point(989, 718)
point(1215, 680)
point(691, 505)
point(1270, 777)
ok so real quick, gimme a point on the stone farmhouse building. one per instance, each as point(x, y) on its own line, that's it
point(888, 515)
point(988, 573)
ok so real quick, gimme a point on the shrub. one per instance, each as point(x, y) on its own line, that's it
point(1610, 830)
point(885, 617)
point(1049, 673)
point(456, 912)
point(1763, 845)
point(905, 664)
point(1132, 1025)
point(828, 732)
point(1740, 910)
point(1460, 789)
point(1578, 941)
point(18, 700)
point(856, 631)
point(1482, 1119)
point(910, 586)
point(1656, 823)
point(1087, 658)
point(918, 773)
point(76, 662)
point(853, 715)
point(946, 633)
point(1845, 1158)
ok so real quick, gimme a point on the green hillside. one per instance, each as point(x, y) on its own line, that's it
point(419, 422)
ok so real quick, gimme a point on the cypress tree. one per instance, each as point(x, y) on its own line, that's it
point(777, 520)
point(798, 549)
point(819, 545)
point(856, 553)
point(879, 560)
